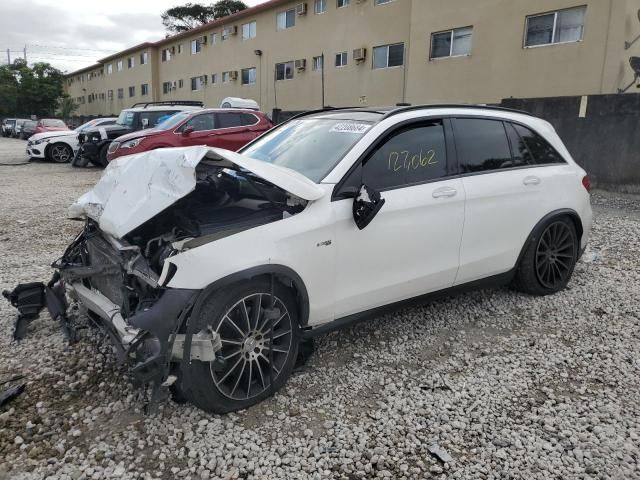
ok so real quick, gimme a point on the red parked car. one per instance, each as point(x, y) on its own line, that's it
point(50, 125)
point(228, 128)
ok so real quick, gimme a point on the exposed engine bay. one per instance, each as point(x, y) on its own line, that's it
point(116, 281)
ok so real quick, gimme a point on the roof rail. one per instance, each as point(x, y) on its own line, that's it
point(452, 105)
point(319, 110)
point(189, 103)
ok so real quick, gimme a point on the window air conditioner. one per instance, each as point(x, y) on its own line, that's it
point(301, 9)
point(360, 54)
point(301, 64)
point(233, 75)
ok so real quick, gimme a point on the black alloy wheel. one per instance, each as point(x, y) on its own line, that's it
point(555, 255)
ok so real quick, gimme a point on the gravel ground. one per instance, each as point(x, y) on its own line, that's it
point(510, 386)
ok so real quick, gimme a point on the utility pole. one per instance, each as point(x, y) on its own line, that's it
point(8, 56)
point(25, 54)
point(322, 72)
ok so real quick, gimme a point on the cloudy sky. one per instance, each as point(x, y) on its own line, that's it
point(72, 34)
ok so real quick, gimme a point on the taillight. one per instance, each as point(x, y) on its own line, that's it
point(586, 183)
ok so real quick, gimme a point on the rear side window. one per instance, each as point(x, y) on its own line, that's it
point(410, 156)
point(229, 120)
point(248, 119)
point(482, 145)
point(535, 149)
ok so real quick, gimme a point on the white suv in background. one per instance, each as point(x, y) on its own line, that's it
point(60, 147)
point(331, 217)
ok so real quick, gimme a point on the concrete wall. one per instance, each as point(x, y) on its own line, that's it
point(605, 142)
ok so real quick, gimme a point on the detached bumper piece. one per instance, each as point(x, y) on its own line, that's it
point(31, 298)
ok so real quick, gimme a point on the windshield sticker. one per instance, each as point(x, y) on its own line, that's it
point(350, 127)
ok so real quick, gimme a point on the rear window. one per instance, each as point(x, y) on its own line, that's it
point(535, 149)
point(482, 145)
point(53, 123)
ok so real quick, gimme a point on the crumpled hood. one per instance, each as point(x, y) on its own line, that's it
point(136, 188)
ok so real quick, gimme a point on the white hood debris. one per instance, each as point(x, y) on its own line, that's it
point(136, 188)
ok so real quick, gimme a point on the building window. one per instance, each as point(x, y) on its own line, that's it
point(342, 3)
point(131, 62)
point(144, 89)
point(226, 77)
point(132, 91)
point(214, 38)
point(388, 56)
point(341, 59)
point(563, 26)
point(319, 6)
point(284, 71)
point(196, 46)
point(180, 48)
point(119, 65)
point(214, 78)
point(452, 43)
point(248, 76)
point(166, 87)
point(110, 94)
point(382, 2)
point(166, 54)
point(196, 83)
point(121, 93)
point(180, 83)
point(144, 58)
point(110, 69)
point(286, 19)
point(249, 30)
point(318, 63)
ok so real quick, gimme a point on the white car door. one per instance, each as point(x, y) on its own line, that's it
point(507, 193)
point(412, 246)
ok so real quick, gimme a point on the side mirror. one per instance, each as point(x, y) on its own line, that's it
point(145, 122)
point(187, 131)
point(366, 206)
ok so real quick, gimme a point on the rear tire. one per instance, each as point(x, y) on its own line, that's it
point(549, 260)
point(237, 314)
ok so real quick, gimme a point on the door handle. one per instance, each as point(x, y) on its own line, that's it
point(532, 180)
point(444, 192)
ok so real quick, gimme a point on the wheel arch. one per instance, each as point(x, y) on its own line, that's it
point(285, 275)
point(47, 149)
point(539, 228)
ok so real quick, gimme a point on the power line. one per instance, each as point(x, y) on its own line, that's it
point(71, 48)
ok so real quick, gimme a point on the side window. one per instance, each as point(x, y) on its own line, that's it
point(519, 151)
point(248, 119)
point(539, 150)
point(412, 155)
point(482, 145)
point(229, 120)
point(201, 122)
point(153, 117)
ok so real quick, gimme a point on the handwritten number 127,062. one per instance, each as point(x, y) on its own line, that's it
point(404, 160)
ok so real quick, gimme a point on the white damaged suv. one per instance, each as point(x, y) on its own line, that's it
point(207, 267)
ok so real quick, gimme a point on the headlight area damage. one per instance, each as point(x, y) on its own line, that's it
point(147, 208)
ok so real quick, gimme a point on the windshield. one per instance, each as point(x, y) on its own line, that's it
point(311, 146)
point(125, 118)
point(171, 121)
point(85, 125)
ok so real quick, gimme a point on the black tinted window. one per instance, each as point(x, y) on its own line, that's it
point(539, 150)
point(154, 116)
point(229, 120)
point(521, 155)
point(248, 119)
point(482, 145)
point(414, 155)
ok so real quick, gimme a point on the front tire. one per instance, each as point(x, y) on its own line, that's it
point(549, 260)
point(59, 153)
point(237, 314)
point(101, 159)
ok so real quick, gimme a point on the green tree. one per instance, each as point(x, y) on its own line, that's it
point(28, 90)
point(66, 107)
point(191, 15)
